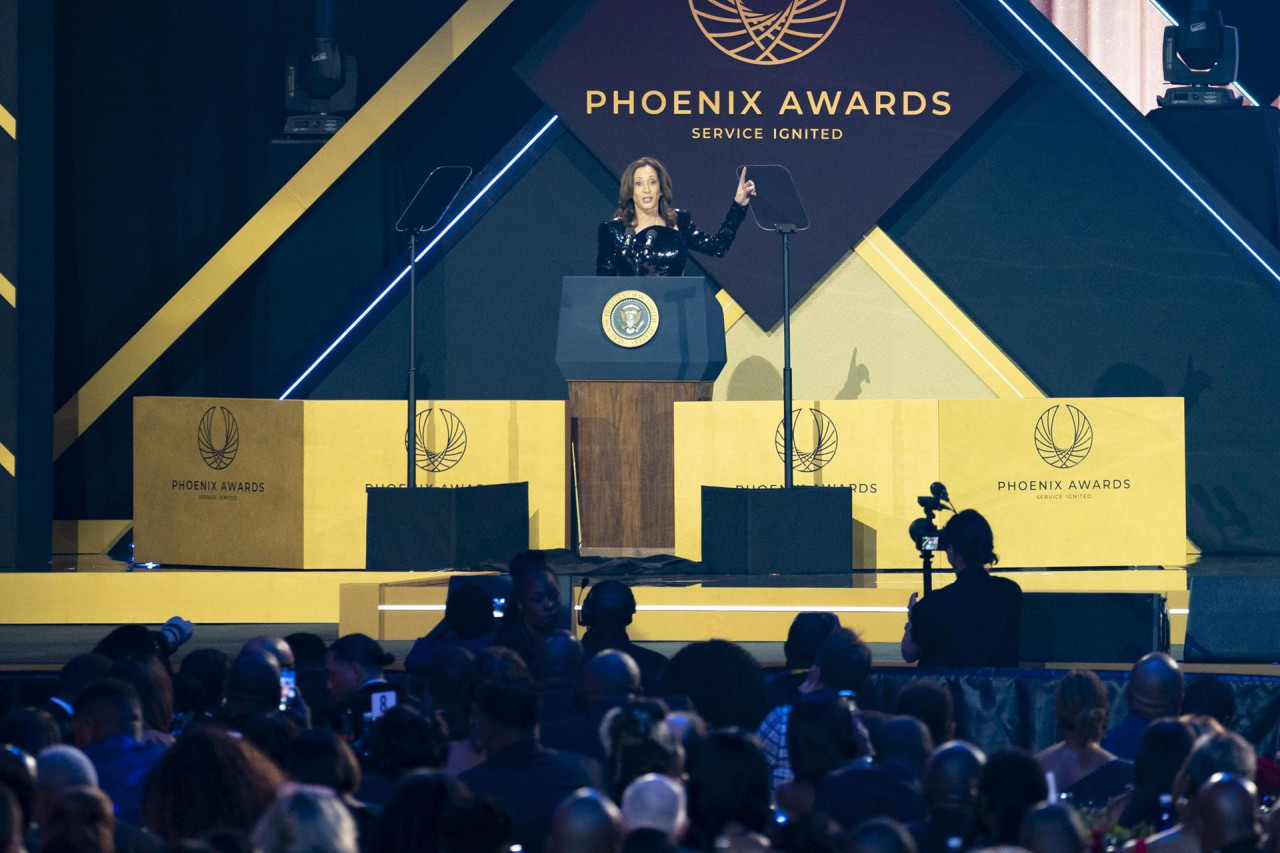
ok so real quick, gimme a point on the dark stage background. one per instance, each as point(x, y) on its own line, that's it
point(1070, 247)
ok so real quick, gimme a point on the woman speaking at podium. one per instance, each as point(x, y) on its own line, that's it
point(647, 236)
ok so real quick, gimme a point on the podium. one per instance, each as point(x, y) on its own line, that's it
point(630, 349)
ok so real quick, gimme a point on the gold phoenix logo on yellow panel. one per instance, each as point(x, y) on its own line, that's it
point(1079, 433)
point(768, 32)
point(218, 439)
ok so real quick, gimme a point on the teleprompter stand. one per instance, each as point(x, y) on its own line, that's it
point(795, 530)
point(411, 528)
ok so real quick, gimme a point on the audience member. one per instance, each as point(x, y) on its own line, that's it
point(305, 819)
point(253, 685)
point(80, 821)
point(29, 729)
point(823, 735)
point(534, 608)
point(450, 675)
point(1226, 815)
point(1011, 783)
point(800, 651)
point(528, 779)
point(18, 774)
point(354, 664)
point(1154, 691)
point(417, 817)
point(308, 649)
point(1209, 696)
point(108, 728)
point(606, 612)
point(209, 780)
point(880, 835)
point(309, 653)
point(931, 704)
point(1053, 828)
point(468, 624)
point(1077, 763)
point(77, 674)
point(636, 742)
point(399, 741)
point(277, 646)
point(557, 666)
point(1162, 749)
point(320, 757)
point(199, 687)
point(586, 821)
point(1213, 753)
point(129, 641)
point(842, 665)
point(64, 768)
point(723, 681)
point(812, 833)
point(973, 622)
point(951, 796)
point(154, 686)
point(609, 679)
point(890, 788)
point(729, 789)
point(655, 814)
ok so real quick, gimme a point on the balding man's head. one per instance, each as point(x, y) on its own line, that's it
point(1226, 812)
point(655, 801)
point(610, 673)
point(951, 776)
point(585, 822)
point(253, 685)
point(559, 660)
point(1217, 752)
point(60, 768)
point(1053, 828)
point(1155, 687)
point(275, 645)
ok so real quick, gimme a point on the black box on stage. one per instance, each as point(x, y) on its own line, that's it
point(438, 528)
point(1233, 620)
point(1092, 627)
point(804, 530)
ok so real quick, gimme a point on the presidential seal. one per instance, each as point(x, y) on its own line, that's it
point(630, 318)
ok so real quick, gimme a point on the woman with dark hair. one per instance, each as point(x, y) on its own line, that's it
point(1078, 763)
point(200, 686)
point(973, 622)
point(730, 790)
point(320, 757)
point(150, 678)
point(1162, 750)
point(648, 236)
point(533, 610)
point(723, 681)
point(208, 781)
point(823, 735)
point(414, 817)
point(81, 821)
point(637, 741)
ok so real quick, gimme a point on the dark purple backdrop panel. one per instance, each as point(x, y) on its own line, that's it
point(872, 154)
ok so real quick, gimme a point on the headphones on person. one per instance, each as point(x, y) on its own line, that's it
point(589, 606)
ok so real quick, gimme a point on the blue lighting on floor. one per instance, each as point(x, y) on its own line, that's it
point(1106, 106)
point(404, 272)
point(1174, 21)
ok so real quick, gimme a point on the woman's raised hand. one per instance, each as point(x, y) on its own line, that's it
point(746, 189)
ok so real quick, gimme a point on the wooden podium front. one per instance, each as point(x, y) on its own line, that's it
point(622, 396)
point(625, 463)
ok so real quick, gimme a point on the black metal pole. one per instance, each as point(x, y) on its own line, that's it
point(788, 437)
point(411, 478)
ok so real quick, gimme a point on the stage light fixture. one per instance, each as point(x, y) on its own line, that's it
point(323, 84)
point(1201, 55)
point(404, 272)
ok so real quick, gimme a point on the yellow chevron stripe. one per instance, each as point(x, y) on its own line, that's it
point(8, 123)
point(267, 225)
point(7, 461)
point(8, 291)
point(732, 310)
point(948, 322)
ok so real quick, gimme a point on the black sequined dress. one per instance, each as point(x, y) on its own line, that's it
point(659, 250)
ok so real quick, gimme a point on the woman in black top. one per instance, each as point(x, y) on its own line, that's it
point(973, 622)
point(647, 236)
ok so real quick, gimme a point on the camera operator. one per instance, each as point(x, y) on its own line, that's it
point(973, 622)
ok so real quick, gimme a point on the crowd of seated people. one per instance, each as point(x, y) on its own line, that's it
point(513, 734)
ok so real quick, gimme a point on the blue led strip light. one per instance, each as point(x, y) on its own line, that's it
point(1146, 145)
point(1171, 19)
point(404, 272)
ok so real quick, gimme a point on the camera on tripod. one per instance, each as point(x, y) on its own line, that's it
point(924, 532)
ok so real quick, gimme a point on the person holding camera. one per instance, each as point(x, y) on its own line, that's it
point(973, 622)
